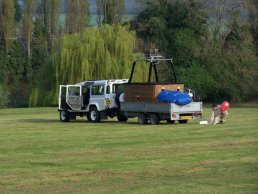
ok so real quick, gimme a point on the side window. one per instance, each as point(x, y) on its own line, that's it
point(108, 90)
point(74, 91)
point(117, 88)
point(97, 90)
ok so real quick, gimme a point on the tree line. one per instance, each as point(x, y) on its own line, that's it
point(213, 43)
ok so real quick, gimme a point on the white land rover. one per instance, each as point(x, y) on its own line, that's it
point(95, 99)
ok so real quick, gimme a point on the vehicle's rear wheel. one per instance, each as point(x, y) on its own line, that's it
point(154, 119)
point(142, 120)
point(170, 121)
point(94, 115)
point(182, 121)
point(121, 117)
point(64, 116)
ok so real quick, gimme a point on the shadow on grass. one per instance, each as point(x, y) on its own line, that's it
point(46, 164)
point(85, 121)
point(39, 120)
point(82, 121)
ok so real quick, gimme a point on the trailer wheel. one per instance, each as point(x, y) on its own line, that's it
point(154, 119)
point(121, 117)
point(170, 121)
point(142, 120)
point(94, 115)
point(64, 116)
point(182, 121)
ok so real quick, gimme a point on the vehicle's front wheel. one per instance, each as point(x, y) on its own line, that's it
point(94, 115)
point(64, 116)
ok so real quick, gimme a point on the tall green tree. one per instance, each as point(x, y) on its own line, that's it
point(77, 15)
point(1, 18)
point(18, 11)
point(28, 24)
point(94, 54)
point(40, 52)
point(4, 93)
point(110, 11)
point(49, 13)
point(3, 62)
point(8, 22)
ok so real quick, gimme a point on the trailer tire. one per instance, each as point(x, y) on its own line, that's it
point(182, 121)
point(142, 120)
point(170, 121)
point(121, 117)
point(94, 115)
point(64, 116)
point(154, 119)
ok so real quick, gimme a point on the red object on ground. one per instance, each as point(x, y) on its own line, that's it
point(224, 106)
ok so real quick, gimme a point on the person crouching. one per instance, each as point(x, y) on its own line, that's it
point(219, 113)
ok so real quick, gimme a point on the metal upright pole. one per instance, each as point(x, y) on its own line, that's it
point(156, 73)
point(132, 71)
point(150, 71)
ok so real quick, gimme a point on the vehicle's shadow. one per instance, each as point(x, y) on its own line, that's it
point(85, 121)
point(38, 120)
point(79, 121)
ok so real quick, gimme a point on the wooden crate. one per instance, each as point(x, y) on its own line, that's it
point(144, 92)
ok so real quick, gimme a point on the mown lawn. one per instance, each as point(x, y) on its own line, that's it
point(39, 154)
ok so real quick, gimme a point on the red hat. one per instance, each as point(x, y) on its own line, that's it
point(224, 106)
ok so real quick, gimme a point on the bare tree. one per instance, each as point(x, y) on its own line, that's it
point(225, 13)
point(252, 6)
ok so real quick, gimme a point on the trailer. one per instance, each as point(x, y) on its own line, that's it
point(155, 112)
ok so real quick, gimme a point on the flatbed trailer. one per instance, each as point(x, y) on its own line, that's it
point(155, 112)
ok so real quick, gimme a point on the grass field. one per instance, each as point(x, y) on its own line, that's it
point(39, 154)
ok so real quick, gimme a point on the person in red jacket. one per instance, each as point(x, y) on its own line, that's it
point(219, 113)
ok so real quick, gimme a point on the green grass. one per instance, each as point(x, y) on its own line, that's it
point(39, 154)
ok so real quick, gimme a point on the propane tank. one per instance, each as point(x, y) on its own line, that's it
point(224, 106)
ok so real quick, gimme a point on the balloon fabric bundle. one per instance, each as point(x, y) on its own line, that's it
point(174, 96)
